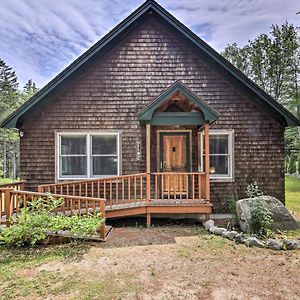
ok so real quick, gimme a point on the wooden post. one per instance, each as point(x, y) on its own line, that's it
point(148, 156)
point(148, 170)
point(207, 162)
point(7, 205)
point(102, 227)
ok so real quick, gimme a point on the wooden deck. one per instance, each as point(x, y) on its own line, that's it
point(138, 194)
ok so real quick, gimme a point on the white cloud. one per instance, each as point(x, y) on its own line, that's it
point(40, 37)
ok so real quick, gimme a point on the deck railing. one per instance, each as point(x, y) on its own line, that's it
point(116, 190)
point(187, 186)
point(140, 187)
point(16, 199)
point(14, 186)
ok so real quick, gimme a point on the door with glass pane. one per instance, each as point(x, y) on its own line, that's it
point(174, 158)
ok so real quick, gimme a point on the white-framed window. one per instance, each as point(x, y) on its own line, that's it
point(221, 153)
point(87, 155)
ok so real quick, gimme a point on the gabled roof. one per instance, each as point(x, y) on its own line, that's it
point(110, 39)
point(207, 114)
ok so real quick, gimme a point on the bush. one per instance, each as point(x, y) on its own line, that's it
point(34, 222)
point(262, 218)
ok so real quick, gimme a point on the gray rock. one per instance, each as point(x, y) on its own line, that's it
point(240, 238)
point(225, 234)
point(291, 244)
point(213, 229)
point(209, 224)
point(253, 241)
point(283, 219)
point(274, 244)
point(219, 230)
point(232, 234)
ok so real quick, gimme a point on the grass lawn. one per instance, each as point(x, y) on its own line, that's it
point(292, 194)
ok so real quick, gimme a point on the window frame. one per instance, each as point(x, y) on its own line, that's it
point(219, 177)
point(88, 135)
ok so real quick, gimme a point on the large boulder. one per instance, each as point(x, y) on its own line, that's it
point(283, 220)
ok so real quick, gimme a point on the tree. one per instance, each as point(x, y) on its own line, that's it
point(30, 88)
point(8, 89)
point(273, 62)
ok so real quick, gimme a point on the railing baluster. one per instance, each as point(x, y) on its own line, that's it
point(129, 189)
point(117, 191)
point(123, 190)
point(110, 192)
point(155, 188)
point(169, 186)
point(141, 188)
point(180, 188)
point(193, 187)
point(135, 188)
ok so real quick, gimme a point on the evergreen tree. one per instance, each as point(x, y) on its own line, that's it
point(30, 88)
point(8, 90)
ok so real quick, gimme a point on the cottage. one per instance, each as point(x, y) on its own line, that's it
point(155, 121)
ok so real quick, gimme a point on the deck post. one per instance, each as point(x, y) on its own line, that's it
point(207, 162)
point(102, 227)
point(148, 170)
point(7, 205)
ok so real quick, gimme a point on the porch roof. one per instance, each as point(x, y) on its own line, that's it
point(149, 115)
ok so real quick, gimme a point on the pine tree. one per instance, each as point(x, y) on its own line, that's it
point(8, 90)
point(30, 87)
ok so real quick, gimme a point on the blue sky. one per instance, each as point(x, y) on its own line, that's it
point(40, 37)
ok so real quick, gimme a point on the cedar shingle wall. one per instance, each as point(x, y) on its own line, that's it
point(111, 93)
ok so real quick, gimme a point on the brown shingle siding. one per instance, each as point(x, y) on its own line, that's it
point(110, 94)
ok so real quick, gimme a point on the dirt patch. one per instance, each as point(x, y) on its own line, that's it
point(171, 261)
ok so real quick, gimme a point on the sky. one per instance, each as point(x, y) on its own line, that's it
point(38, 38)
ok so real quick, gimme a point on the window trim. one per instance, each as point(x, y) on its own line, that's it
point(230, 134)
point(88, 135)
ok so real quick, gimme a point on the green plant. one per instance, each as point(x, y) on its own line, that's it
point(34, 222)
point(262, 218)
point(253, 190)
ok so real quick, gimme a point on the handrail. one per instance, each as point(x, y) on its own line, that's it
point(14, 185)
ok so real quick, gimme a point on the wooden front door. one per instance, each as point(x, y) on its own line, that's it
point(174, 158)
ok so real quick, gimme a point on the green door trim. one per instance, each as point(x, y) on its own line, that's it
point(188, 146)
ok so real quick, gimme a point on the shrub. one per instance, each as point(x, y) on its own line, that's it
point(262, 218)
point(34, 222)
point(253, 190)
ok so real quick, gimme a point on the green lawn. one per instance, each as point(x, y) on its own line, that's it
point(292, 193)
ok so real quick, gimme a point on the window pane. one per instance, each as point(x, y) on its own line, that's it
point(104, 144)
point(73, 144)
point(218, 144)
point(219, 165)
point(73, 165)
point(104, 165)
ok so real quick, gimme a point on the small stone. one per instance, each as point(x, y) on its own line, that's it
point(220, 230)
point(291, 244)
point(253, 241)
point(213, 229)
point(209, 224)
point(232, 234)
point(240, 238)
point(273, 244)
point(225, 234)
